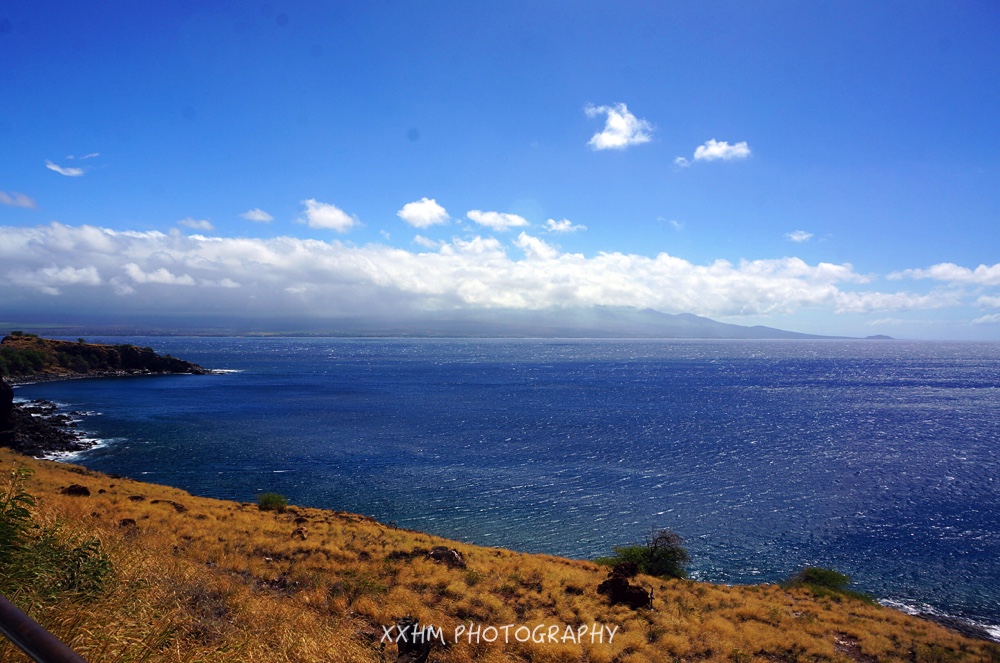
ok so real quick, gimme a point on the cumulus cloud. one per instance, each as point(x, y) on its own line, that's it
point(713, 150)
point(257, 215)
point(98, 269)
point(202, 224)
point(535, 248)
point(161, 275)
point(621, 128)
point(798, 236)
point(426, 242)
point(951, 273)
point(325, 215)
point(498, 221)
point(564, 226)
point(49, 279)
point(15, 199)
point(423, 213)
point(68, 172)
point(867, 302)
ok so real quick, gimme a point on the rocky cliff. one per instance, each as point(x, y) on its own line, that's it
point(29, 357)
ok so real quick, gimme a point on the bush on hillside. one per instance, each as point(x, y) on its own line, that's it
point(272, 502)
point(44, 561)
point(825, 582)
point(662, 555)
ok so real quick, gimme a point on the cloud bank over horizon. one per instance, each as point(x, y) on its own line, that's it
point(152, 272)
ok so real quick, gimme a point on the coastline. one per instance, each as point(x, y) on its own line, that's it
point(60, 377)
point(68, 442)
point(246, 554)
point(39, 428)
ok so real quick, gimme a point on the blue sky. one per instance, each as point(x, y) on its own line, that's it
point(821, 167)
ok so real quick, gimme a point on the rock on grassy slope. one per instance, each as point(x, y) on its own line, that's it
point(197, 579)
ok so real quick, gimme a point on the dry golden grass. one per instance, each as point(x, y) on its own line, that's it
point(209, 580)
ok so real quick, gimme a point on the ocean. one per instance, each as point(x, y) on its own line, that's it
point(876, 458)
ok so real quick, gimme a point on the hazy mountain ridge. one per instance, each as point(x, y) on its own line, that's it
point(595, 322)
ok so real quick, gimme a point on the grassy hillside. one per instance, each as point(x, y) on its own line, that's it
point(160, 575)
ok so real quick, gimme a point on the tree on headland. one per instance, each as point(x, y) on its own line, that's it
point(663, 555)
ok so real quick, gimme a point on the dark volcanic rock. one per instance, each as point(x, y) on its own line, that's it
point(449, 556)
point(35, 429)
point(7, 416)
point(76, 489)
point(618, 589)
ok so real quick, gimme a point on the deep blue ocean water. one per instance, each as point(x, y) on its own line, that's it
point(878, 458)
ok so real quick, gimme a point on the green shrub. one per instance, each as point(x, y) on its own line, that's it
point(272, 502)
point(15, 517)
point(825, 582)
point(662, 555)
point(21, 362)
point(44, 561)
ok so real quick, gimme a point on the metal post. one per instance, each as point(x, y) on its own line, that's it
point(32, 638)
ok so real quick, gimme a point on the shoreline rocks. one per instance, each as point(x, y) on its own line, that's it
point(38, 428)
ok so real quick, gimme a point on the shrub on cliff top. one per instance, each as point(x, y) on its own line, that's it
point(272, 502)
point(825, 582)
point(662, 555)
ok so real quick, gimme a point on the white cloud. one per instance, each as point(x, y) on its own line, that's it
point(677, 225)
point(48, 279)
point(681, 162)
point(85, 267)
point(325, 215)
point(988, 302)
point(426, 242)
point(498, 221)
point(952, 273)
point(257, 215)
point(202, 224)
point(162, 276)
point(564, 226)
point(713, 150)
point(68, 172)
point(799, 236)
point(621, 129)
point(92, 155)
point(535, 248)
point(866, 302)
point(991, 319)
point(15, 199)
point(423, 213)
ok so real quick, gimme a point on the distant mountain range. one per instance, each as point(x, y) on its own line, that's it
point(595, 322)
